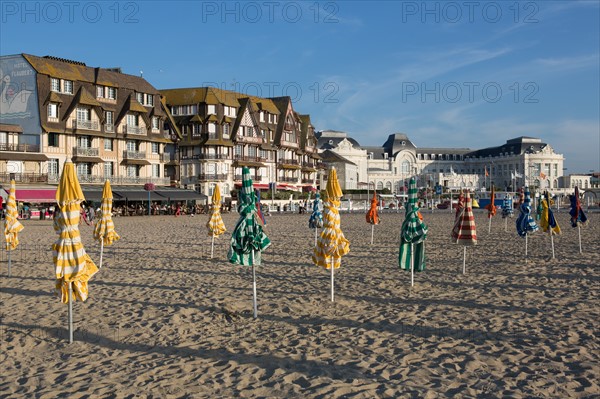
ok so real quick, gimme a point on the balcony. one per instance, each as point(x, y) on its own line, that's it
point(308, 181)
point(109, 128)
point(19, 147)
point(290, 144)
point(255, 178)
point(249, 139)
point(159, 181)
point(286, 179)
point(85, 125)
point(130, 129)
point(288, 161)
point(167, 157)
point(91, 178)
point(212, 176)
point(24, 177)
point(213, 156)
point(134, 155)
point(248, 158)
point(85, 152)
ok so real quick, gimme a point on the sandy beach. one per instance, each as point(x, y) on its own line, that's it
point(165, 321)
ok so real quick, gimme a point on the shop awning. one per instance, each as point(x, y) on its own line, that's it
point(134, 162)
point(36, 195)
point(135, 195)
point(178, 194)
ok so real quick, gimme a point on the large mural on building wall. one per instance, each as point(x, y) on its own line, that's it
point(18, 94)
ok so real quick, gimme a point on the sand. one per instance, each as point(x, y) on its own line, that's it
point(165, 321)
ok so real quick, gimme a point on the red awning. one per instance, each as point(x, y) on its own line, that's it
point(40, 195)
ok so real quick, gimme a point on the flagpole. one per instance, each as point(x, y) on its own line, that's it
point(255, 306)
point(464, 259)
point(70, 312)
point(332, 285)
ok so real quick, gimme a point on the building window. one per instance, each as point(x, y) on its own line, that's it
point(132, 120)
point(53, 140)
point(212, 128)
point(112, 93)
point(211, 109)
point(155, 123)
point(53, 111)
point(226, 128)
point(55, 85)
point(100, 91)
point(53, 167)
point(131, 145)
point(155, 148)
point(132, 171)
point(68, 86)
point(108, 144)
point(150, 100)
point(83, 169)
point(83, 114)
point(139, 97)
point(262, 116)
point(108, 169)
point(196, 129)
point(238, 150)
point(155, 170)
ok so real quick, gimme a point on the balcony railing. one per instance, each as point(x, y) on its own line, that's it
point(255, 178)
point(288, 179)
point(109, 127)
point(19, 147)
point(309, 181)
point(86, 125)
point(24, 177)
point(289, 144)
point(167, 157)
point(85, 152)
point(212, 176)
point(249, 139)
point(248, 158)
point(206, 156)
point(213, 136)
point(130, 129)
point(289, 161)
point(134, 155)
point(90, 178)
point(159, 181)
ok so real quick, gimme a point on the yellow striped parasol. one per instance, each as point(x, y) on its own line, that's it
point(215, 225)
point(104, 231)
point(72, 263)
point(332, 244)
point(12, 226)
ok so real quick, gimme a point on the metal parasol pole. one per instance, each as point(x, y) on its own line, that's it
point(464, 259)
point(412, 265)
point(212, 246)
point(372, 232)
point(70, 312)
point(316, 237)
point(9, 260)
point(254, 288)
point(506, 223)
point(579, 229)
point(332, 267)
point(526, 235)
point(101, 251)
point(551, 240)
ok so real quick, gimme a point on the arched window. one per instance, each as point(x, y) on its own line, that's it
point(405, 167)
point(379, 185)
point(388, 185)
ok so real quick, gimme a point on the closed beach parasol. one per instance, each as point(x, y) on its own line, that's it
point(507, 210)
point(332, 244)
point(316, 217)
point(525, 222)
point(491, 208)
point(412, 236)
point(548, 222)
point(74, 267)
point(578, 218)
point(464, 231)
point(372, 215)
point(248, 239)
point(12, 226)
point(215, 224)
point(104, 231)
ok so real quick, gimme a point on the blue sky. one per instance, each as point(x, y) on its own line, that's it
point(448, 74)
